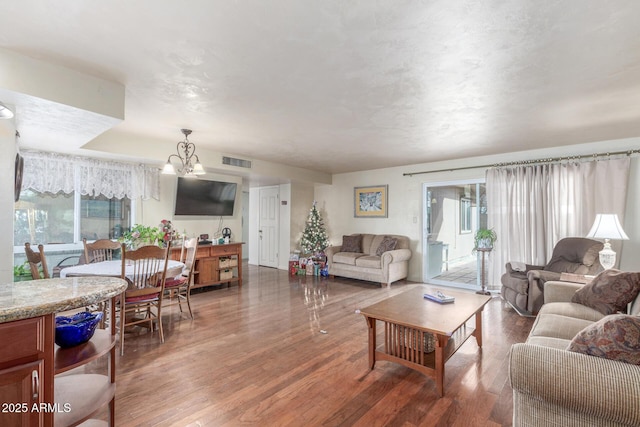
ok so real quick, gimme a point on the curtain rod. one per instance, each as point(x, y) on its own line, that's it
point(529, 162)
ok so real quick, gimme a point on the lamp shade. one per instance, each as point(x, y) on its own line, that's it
point(168, 169)
point(607, 226)
point(198, 169)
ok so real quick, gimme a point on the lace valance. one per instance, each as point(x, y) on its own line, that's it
point(54, 172)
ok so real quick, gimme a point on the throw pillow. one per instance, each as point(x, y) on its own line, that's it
point(387, 244)
point(352, 243)
point(615, 337)
point(609, 292)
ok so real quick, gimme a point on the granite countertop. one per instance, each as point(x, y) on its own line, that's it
point(23, 300)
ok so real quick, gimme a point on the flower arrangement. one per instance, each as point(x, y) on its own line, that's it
point(141, 235)
point(169, 232)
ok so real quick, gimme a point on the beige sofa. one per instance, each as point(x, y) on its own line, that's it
point(366, 265)
point(556, 387)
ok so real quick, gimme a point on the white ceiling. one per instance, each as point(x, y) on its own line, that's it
point(338, 86)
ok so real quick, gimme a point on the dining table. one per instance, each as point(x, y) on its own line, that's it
point(114, 269)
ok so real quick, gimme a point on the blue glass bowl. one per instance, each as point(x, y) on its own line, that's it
point(75, 330)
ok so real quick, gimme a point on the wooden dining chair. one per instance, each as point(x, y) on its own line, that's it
point(146, 274)
point(100, 250)
point(180, 287)
point(37, 262)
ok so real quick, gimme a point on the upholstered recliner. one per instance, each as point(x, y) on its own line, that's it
point(523, 284)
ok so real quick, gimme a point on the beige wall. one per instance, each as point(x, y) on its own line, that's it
point(41, 82)
point(405, 197)
point(404, 210)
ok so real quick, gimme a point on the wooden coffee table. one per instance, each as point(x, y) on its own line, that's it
point(413, 325)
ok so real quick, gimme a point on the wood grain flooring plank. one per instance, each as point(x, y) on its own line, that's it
point(292, 351)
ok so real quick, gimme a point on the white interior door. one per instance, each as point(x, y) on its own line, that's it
point(268, 227)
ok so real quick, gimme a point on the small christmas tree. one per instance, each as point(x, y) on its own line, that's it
point(314, 238)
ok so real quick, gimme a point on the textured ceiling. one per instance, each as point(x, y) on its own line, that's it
point(339, 86)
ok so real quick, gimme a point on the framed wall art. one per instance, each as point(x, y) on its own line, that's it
point(370, 202)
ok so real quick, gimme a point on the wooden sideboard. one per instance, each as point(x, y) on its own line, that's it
point(216, 264)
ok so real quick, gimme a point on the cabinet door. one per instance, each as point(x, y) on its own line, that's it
point(21, 390)
point(207, 269)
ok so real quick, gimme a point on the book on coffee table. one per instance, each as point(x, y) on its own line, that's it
point(439, 297)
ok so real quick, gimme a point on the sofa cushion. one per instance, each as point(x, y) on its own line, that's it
point(557, 326)
point(570, 309)
point(346, 258)
point(352, 243)
point(367, 240)
point(610, 291)
point(615, 337)
point(387, 244)
point(369, 261)
point(373, 244)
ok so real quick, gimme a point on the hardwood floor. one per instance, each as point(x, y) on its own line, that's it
point(292, 351)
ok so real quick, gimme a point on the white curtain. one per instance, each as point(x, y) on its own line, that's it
point(53, 172)
point(531, 207)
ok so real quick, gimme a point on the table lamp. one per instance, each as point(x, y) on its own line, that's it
point(607, 226)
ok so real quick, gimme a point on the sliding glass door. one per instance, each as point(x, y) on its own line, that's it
point(453, 211)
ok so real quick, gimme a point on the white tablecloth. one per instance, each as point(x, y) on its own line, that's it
point(114, 269)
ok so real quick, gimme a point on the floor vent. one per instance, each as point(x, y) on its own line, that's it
point(236, 162)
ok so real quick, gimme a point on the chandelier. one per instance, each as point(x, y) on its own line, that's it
point(186, 154)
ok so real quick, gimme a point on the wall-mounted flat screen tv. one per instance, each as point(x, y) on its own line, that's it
point(203, 197)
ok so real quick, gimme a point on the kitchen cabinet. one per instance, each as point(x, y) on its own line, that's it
point(40, 384)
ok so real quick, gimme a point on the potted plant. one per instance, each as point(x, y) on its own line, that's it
point(484, 239)
point(141, 235)
point(22, 272)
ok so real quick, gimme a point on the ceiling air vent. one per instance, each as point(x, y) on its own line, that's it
point(236, 162)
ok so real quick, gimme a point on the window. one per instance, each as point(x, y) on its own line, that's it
point(68, 218)
point(103, 218)
point(43, 218)
point(465, 215)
